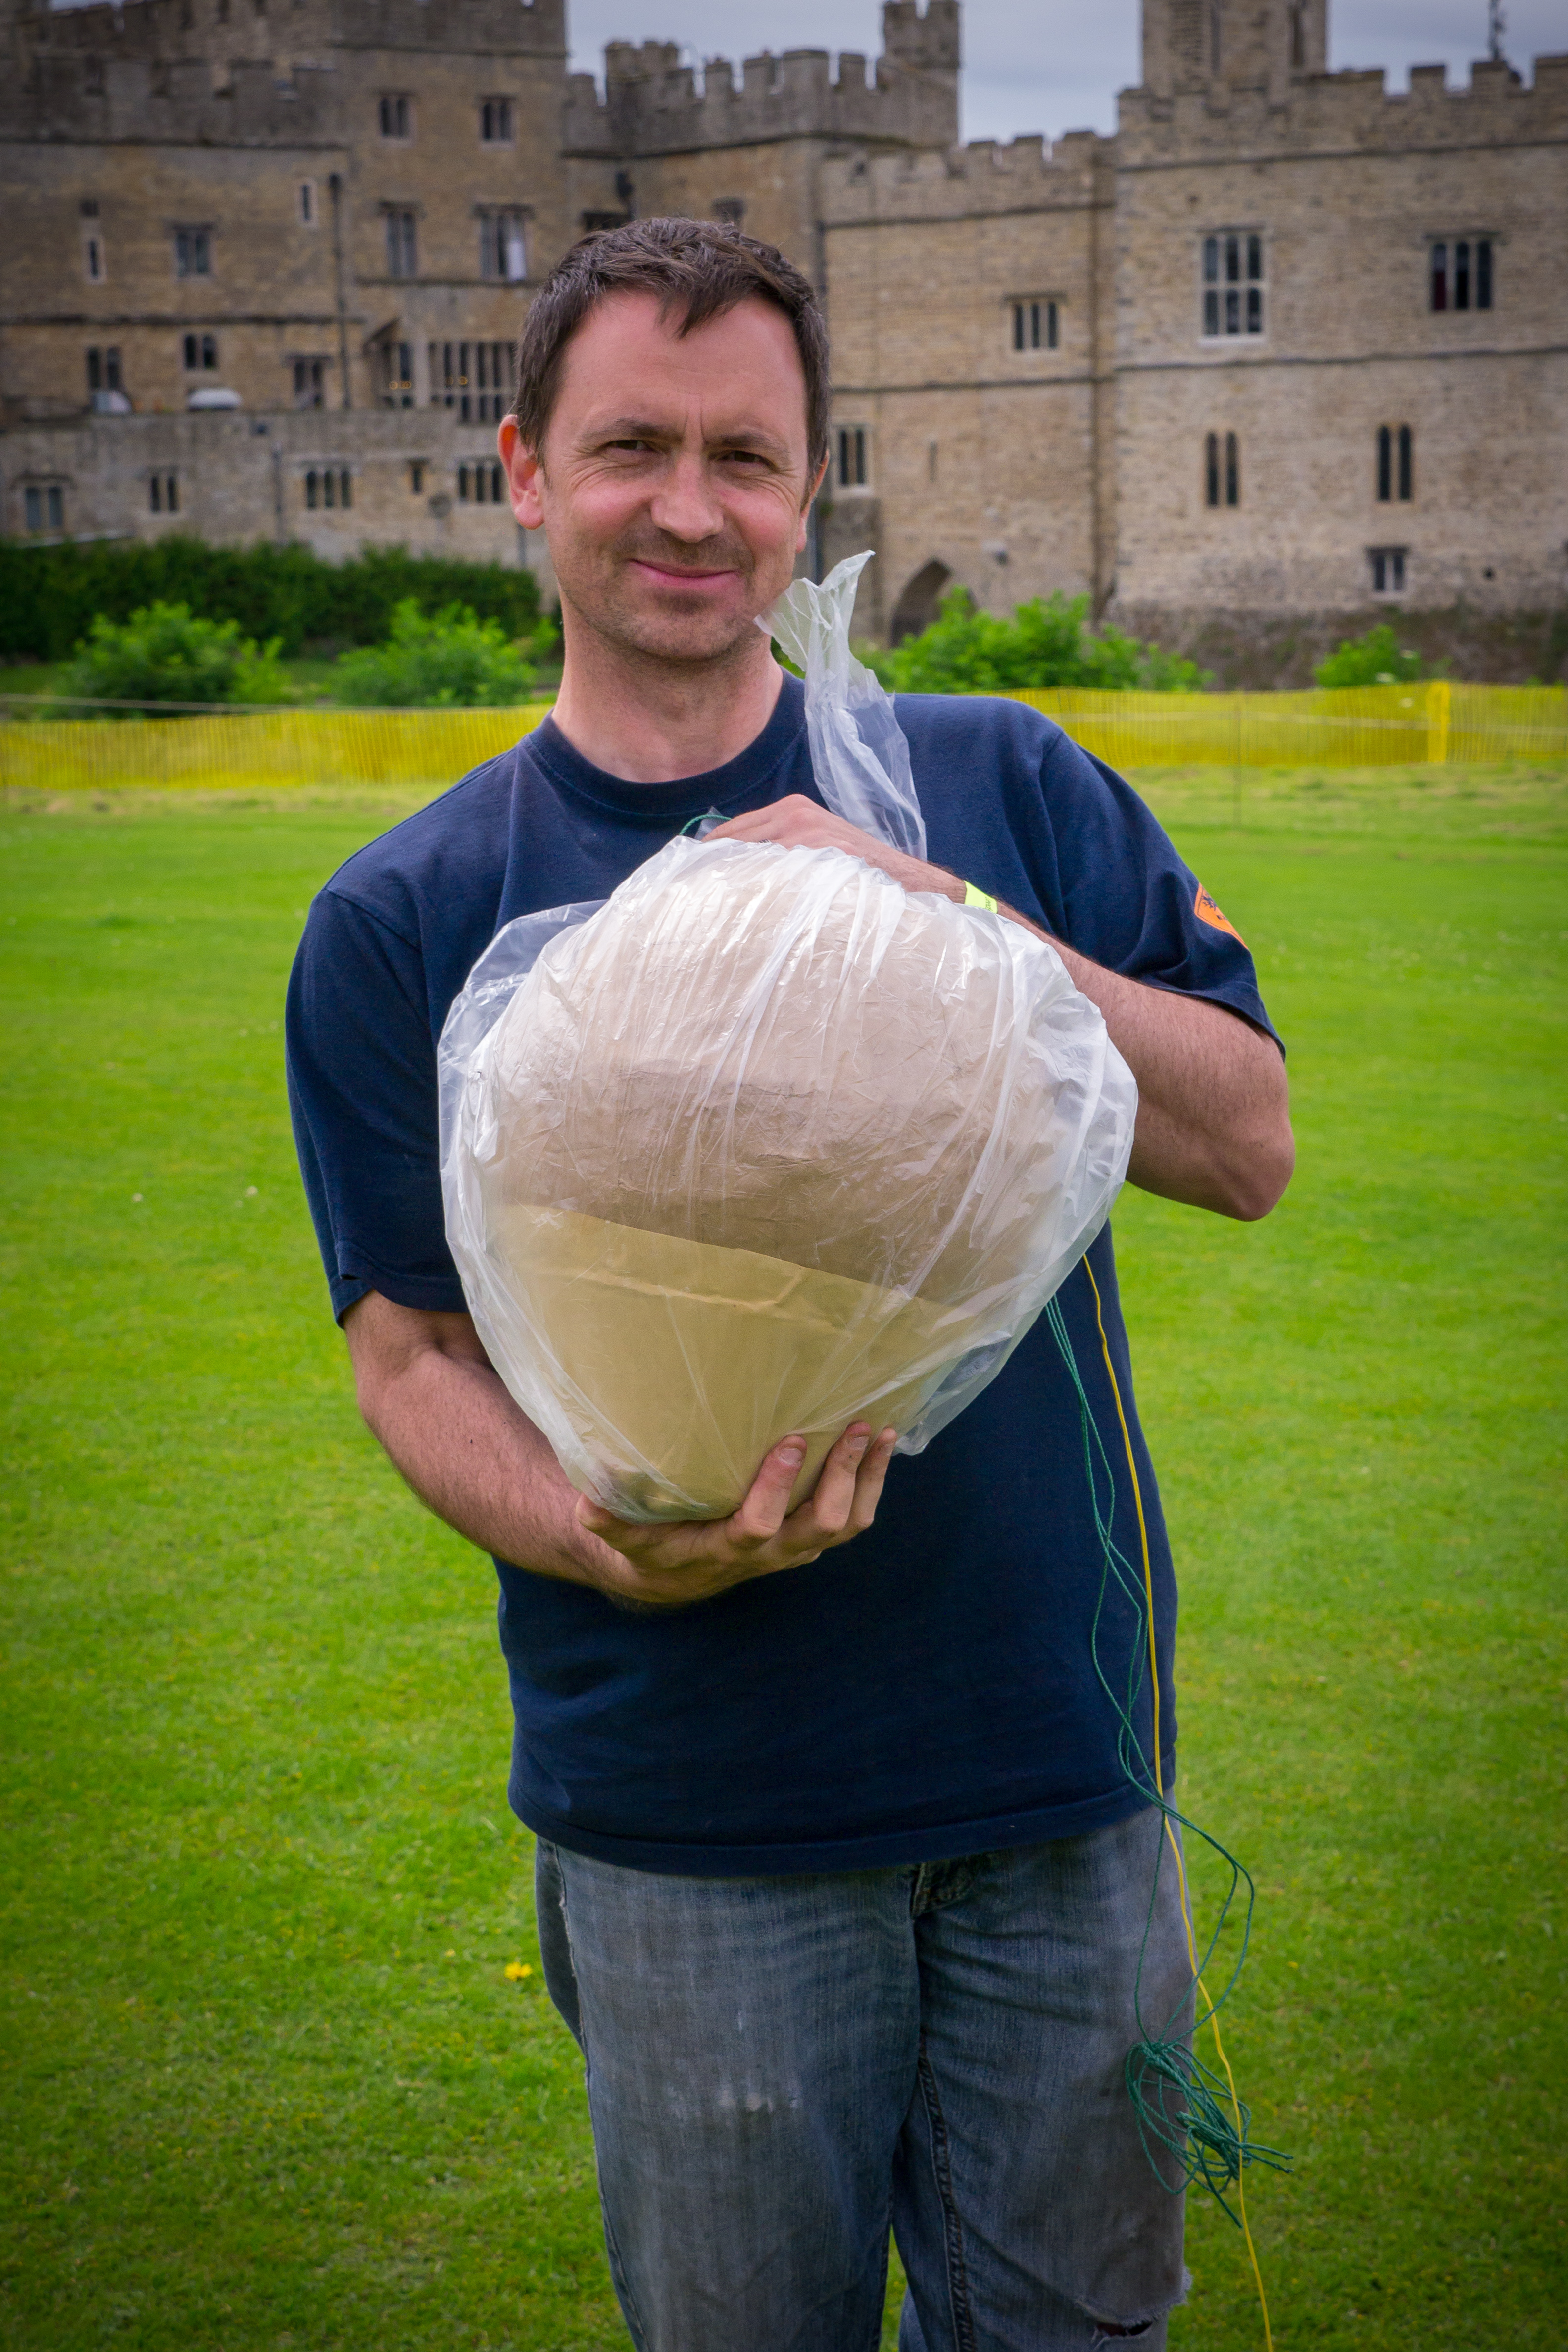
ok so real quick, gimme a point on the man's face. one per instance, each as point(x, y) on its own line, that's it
point(674, 484)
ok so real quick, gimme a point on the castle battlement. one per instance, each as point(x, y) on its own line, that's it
point(651, 104)
point(175, 30)
point(1324, 114)
point(985, 176)
point(152, 71)
point(180, 101)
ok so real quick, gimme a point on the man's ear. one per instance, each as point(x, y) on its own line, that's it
point(524, 473)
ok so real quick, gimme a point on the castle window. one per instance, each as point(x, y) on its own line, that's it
point(495, 122)
point(416, 476)
point(1459, 274)
point(1396, 462)
point(94, 266)
point(199, 352)
point(482, 482)
point(103, 373)
point(402, 246)
point(852, 440)
point(473, 378)
point(1387, 568)
point(492, 381)
point(164, 493)
point(44, 506)
point(394, 114)
point(1036, 325)
point(504, 246)
point(312, 488)
point(1233, 282)
point(729, 208)
point(396, 375)
point(193, 252)
point(345, 488)
point(1222, 470)
point(309, 383)
point(307, 203)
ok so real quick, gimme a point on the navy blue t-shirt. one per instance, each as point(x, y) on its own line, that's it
point(928, 1689)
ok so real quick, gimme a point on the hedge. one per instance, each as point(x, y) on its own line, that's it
point(50, 595)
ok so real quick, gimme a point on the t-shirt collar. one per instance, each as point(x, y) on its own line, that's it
point(738, 782)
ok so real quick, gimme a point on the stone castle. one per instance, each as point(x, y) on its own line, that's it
point(1283, 351)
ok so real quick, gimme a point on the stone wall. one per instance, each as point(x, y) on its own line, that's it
point(989, 462)
point(239, 478)
point(1347, 187)
point(119, 125)
point(1077, 462)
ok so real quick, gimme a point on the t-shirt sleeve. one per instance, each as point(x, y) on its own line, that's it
point(1127, 899)
point(361, 1094)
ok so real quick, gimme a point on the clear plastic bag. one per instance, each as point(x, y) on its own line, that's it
point(764, 1142)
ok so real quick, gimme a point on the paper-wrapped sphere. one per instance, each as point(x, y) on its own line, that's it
point(767, 1144)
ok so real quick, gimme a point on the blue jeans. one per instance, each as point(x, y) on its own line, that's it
point(779, 2068)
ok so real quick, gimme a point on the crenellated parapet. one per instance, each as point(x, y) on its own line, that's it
point(653, 105)
point(168, 70)
point(986, 178)
point(453, 28)
point(73, 95)
point(1345, 113)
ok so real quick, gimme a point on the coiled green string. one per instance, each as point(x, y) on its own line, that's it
point(1190, 2120)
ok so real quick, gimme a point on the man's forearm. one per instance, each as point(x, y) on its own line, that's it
point(1214, 1125)
point(473, 1458)
point(428, 1391)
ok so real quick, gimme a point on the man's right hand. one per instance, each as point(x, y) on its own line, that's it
point(671, 1566)
point(430, 1394)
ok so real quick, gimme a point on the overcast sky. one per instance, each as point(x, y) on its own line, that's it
point(1056, 64)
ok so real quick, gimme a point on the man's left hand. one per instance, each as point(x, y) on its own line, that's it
point(796, 822)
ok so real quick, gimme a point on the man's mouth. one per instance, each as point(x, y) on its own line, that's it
point(676, 575)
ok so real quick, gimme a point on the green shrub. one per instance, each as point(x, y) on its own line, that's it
point(167, 653)
point(450, 657)
point(49, 596)
point(1046, 643)
point(1372, 660)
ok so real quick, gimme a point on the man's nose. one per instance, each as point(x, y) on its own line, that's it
point(686, 503)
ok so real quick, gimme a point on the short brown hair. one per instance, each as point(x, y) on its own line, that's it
point(698, 269)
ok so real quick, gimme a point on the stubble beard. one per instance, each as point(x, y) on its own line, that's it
point(624, 618)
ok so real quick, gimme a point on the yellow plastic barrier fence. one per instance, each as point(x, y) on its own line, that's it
point(244, 750)
point(1354, 727)
point(1365, 726)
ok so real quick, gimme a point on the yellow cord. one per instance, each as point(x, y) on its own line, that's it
point(1212, 2021)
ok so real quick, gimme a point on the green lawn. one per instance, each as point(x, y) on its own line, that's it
point(267, 2082)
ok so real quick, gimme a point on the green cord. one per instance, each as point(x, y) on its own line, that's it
point(1182, 2107)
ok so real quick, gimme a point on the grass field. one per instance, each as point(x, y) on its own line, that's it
point(268, 2082)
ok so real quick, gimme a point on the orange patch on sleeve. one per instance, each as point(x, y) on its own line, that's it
point(1205, 910)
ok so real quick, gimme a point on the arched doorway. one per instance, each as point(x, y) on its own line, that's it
point(917, 607)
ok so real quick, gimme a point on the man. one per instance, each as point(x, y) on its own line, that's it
point(841, 1884)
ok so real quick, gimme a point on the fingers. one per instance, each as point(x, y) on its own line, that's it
point(793, 822)
point(670, 1565)
point(833, 1497)
point(849, 1488)
point(767, 1506)
point(870, 1481)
